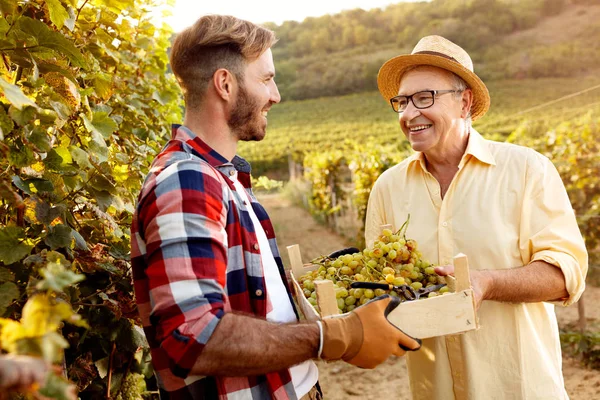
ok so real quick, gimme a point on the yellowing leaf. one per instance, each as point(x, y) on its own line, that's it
point(56, 275)
point(58, 14)
point(65, 154)
point(10, 332)
point(121, 173)
point(15, 95)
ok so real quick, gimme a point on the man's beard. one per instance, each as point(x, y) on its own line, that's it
point(245, 120)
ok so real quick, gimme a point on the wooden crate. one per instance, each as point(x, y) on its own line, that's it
point(449, 314)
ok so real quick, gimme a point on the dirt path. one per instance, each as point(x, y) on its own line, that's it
point(294, 225)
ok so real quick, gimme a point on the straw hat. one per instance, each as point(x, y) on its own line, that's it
point(438, 52)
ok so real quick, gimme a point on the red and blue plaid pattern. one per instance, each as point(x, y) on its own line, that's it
point(195, 257)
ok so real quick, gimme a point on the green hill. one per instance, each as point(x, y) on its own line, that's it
point(341, 54)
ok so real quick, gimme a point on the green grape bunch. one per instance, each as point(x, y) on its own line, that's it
point(393, 260)
point(132, 387)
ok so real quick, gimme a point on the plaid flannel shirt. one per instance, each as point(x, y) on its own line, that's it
point(195, 257)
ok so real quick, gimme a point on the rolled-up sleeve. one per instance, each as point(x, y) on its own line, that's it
point(549, 230)
point(183, 222)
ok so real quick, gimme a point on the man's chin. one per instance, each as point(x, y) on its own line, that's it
point(255, 137)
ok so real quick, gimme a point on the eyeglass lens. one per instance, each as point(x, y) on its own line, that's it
point(420, 100)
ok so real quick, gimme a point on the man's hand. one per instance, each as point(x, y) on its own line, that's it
point(365, 337)
point(480, 282)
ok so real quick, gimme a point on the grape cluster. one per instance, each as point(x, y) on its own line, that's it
point(392, 259)
point(131, 387)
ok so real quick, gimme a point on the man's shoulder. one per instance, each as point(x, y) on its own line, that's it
point(396, 172)
point(174, 162)
point(176, 156)
point(512, 153)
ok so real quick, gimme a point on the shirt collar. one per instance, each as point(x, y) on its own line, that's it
point(476, 147)
point(207, 153)
point(479, 148)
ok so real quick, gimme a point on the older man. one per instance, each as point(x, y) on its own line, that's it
point(504, 206)
point(209, 283)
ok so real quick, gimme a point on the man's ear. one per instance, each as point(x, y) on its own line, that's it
point(224, 83)
point(467, 102)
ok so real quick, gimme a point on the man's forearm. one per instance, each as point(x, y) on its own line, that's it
point(246, 346)
point(538, 281)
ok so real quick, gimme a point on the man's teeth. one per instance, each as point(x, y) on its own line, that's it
point(418, 128)
point(264, 113)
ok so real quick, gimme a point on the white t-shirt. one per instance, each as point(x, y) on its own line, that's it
point(306, 374)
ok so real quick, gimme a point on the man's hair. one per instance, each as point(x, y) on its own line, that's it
point(214, 42)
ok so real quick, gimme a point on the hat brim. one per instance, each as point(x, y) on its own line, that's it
point(390, 73)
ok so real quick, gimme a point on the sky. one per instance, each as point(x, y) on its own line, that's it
point(186, 12)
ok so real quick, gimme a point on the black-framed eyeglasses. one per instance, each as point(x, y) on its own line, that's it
point(421, 100)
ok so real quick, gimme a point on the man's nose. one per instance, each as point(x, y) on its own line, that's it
point(275, 96)
point(410, 112)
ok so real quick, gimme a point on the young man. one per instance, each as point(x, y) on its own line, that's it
point(210, 286)
point(502, 205)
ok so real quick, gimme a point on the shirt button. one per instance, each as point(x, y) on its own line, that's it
point(444, 224)
point(255, 246)
point(232, 172)
point(258, 292)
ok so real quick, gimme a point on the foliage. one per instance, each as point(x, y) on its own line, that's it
point(263, 183)
point(299, 127)
point(571, 145)
point(340, 54)
point(323, 170)
point(574, 150)
point(584, 344)
point(86, 104)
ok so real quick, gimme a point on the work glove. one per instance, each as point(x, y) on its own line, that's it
point(364, 337)
point(347, 250)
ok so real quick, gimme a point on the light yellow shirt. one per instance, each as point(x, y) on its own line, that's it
point(506, 207)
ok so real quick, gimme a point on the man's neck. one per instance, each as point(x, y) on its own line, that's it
point(214, 132)
point(448, 157)
point(443, 165)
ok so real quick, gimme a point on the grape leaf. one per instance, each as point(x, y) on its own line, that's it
point(58, 14)
point(59, 236)
point(21, 156)
point(8, 293)
point(80, 156)
point(48, 38)
point(24, 116)
point(56, 274)
point(46, 214)
point(58, 388)
point(8, 7)
point(98, 148)
point(70, 22)
point(40, 139)
point(6, 123)
point(15, 95)
point(79, 241)
point(7, 193)
point(13, 246)
point(101, 123)
point(6, 275)
point(34, 185)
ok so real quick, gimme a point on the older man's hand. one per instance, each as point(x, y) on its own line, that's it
point(480, 282)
